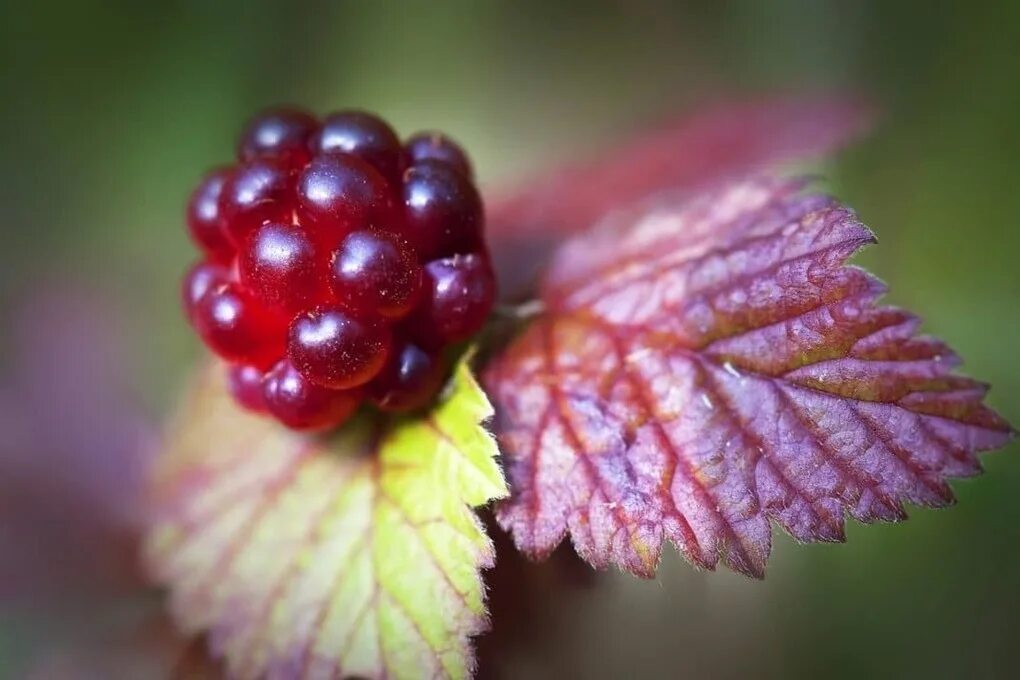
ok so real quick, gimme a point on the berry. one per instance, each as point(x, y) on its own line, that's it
point(409, 380)
point(245, 383)
point(459, 294)
point(334, 349)
point(280, 266)
point(375, 272)
point(257, 193)
point(282, 134)
point(234, 326)
point(435, 146)
point(338, 266)
point(205, 222)
point(340, 193)
point(302, 405)
point(365, 136)
point(442, 210)
point(202, 277)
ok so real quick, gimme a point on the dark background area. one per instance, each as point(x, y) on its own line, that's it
point(111, 111)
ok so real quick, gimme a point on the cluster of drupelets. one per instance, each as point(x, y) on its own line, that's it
point(339, 265)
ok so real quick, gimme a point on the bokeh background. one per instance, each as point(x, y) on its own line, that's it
point(109, 112)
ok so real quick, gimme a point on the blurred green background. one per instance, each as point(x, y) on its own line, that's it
point(110, 112)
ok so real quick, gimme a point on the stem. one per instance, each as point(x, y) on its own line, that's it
point(519, 312)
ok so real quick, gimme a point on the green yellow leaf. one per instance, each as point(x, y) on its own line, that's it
point(356, 555)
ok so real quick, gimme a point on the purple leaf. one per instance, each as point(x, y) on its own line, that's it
point(704, 369)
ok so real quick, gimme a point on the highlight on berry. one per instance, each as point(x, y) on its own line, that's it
point(338, 265)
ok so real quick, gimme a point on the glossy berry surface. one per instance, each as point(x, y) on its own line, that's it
point(338, 264)
point(302, 405)
point(245, 384)
point(281, 266)
point(256, 193)
point(435, 146)
point(205, 223)
point(282, 134)
point(199, 279)
point(364, 135)
point(335, 349)
point(373, 271)
point(459, 294)
point(442, 210)
point(409, 381)
point(337, 194)
point(236, 327)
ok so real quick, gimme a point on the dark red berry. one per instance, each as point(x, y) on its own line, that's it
point(442, 211)
point(202, 277)
point(280, 266)
point(435, 146)
point(302, 405)
point(376, 273)
point(338, 194)
point(256, 193)
point(205, 221)
point(346, 262)
point(409, 381)
point(334, 349)
point(245, 383)
point(459, 294)
point(234, 326)
point(363, 135)
point(282, 134)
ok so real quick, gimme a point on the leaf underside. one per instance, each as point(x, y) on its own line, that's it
point(357, 555)
point(704, 369)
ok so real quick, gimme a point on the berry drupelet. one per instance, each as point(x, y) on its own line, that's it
point(338, 265)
